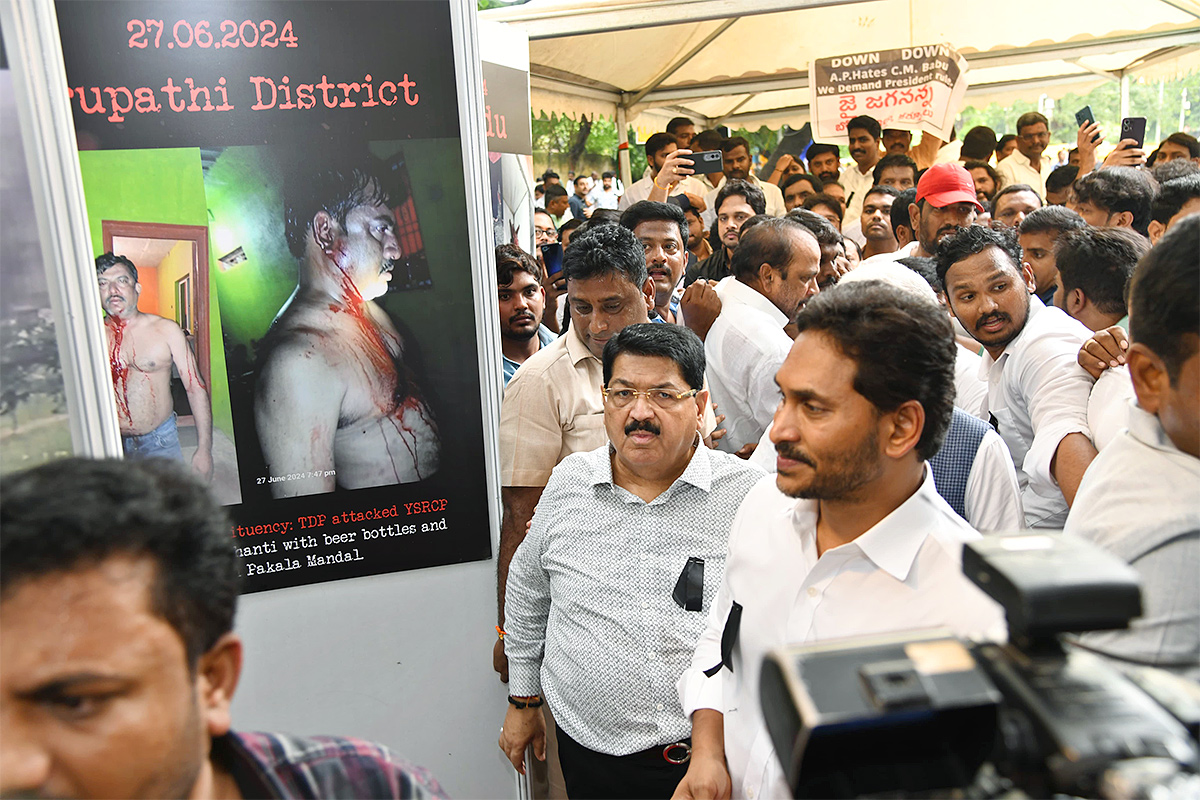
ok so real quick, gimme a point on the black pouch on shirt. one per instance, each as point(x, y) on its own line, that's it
point(689, 589)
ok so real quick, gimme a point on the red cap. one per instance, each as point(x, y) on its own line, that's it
point(944, 184)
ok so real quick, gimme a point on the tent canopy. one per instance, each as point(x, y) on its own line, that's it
point(744, 63)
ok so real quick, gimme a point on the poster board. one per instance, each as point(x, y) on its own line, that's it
point(346, 392)
point(909, 88)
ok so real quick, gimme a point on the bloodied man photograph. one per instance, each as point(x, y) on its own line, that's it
point(337, 400)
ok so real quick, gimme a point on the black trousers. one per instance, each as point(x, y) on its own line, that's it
point(596, 776)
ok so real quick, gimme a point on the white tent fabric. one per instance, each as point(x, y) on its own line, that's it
point(745, 62)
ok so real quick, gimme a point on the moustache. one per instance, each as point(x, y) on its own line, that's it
point(998, 316)
point(515, 318)
point(793, 452)
point(642, 425)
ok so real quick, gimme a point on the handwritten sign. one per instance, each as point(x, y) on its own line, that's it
point(911, 88)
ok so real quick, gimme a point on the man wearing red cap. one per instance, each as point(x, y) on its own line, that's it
point(945, 203)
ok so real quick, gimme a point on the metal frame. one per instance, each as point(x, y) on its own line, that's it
point(47, 132)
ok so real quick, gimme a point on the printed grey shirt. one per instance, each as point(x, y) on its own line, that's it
point(590, 619)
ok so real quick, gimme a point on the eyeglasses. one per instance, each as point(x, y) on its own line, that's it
point(660, 398)
point(1035, 137)
point(545, 233)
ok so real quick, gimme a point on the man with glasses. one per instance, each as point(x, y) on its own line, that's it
point(611, 588)
point(1028, 165)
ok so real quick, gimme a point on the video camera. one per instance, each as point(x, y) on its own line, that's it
point(923, 711)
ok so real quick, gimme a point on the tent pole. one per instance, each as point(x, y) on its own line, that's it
point(1124, 94)
point(623, 147)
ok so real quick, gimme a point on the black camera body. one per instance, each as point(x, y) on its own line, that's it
point(923, 711)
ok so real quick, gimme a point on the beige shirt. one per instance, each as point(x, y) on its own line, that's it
point(552, 408)
point(1019, 169)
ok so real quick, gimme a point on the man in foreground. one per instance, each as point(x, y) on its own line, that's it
point(142, 348)
point(1138, 498)
point(833, 545)
point(118, 660)
point(593, 626)
point(336, 400)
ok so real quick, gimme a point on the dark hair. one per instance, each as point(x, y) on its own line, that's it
point(1003, 141)
point(603, 250)
point(1099, 261)
point(767, 242)
point(1163, 313)
point(752, 194)
point(1051, 219)
point(1013, 188)
point(1061, 178)
point(817, 225)
point(733, 142)
point(813, 181)
point(554, 190)
point(579, 178)
point(817, 148)
point(608, 173)
point(107, 261)
point(75, 513)
point(510, 259)
point(749, 224)
point(978, 144)
point(656, 143)
point(1185, 140)
point(649, 211)
point(822, 199)
point(925, 267)
point(865, 123)
point(902, 345)
point(1030, 118)
point(708, 140)
point(336, 190)
point(548, 174)
point(1173, 196)
point(1119, 189)
point(678, 122)
point(890, 191)
point(900, 216)
point(1175, 168)
point(997, 181)
point(570, 225)
point(891, 161)
point(663, 341)
point(975, 239)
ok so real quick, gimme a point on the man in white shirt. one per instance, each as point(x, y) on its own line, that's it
point(737, 166)
point(1037, 394)
point(868, 546)
point(863, 133)
point(658, 147)
point(606, 194)
point(973, 470)
point(1027, 164)
point(1140, 498)
point(775, 268)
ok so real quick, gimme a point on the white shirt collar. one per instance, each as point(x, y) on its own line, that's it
point(892, 543)
point(730, 289)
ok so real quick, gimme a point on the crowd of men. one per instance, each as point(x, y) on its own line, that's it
point(777, 405)
point(727, 427)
